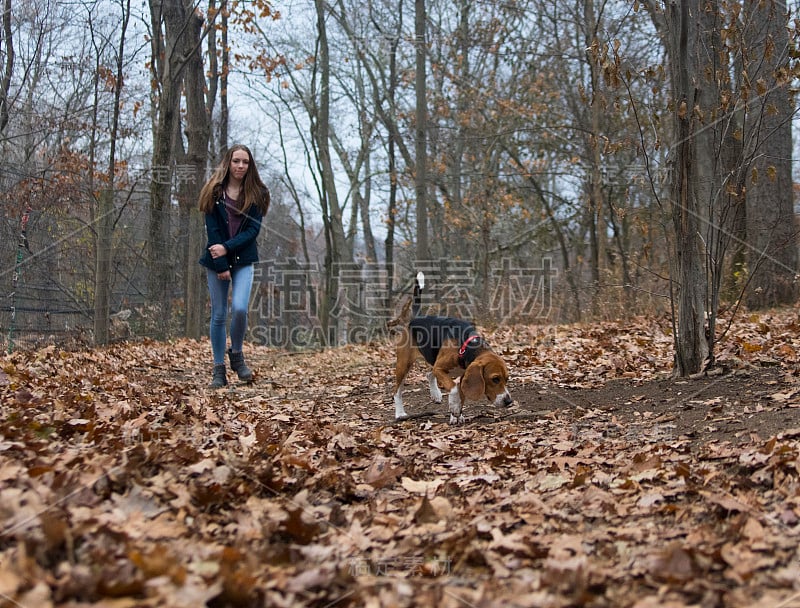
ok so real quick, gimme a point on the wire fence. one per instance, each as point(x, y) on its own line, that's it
point(47, 280)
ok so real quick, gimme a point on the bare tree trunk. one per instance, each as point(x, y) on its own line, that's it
point(8, 69)
point(772, 251)
point(170, 78)
point(364, 205)
point(421, 139)
point(597, 227)
point(214, 69)
point(691, 347)
point(198, 133)
point(223, 77)
point(392, 160)
point(718, 159)
point(178, 46)
point(105, 217)
point(463, 100)
point(335, 240)
point(364, 167)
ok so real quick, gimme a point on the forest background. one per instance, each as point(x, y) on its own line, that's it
point(606, 187)
point(541, 161)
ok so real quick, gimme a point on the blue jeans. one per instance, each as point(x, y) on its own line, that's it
point(242, 283)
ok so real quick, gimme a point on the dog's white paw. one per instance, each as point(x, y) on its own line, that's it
point(399, 409)
point(454, 405)
point(456, 419)
point(436, 393)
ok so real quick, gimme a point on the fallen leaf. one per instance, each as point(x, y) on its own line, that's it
point(421, 486)
point(381, 473)
point(674, 565)
point(426, 514)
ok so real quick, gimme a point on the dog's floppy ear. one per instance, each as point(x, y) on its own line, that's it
point(472, 382)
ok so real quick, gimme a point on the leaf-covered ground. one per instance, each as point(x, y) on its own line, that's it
point(125, 482)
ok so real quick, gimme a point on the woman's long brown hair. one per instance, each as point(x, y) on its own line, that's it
point(255, 192)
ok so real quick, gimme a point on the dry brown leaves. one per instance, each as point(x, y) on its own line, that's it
point(125, 482)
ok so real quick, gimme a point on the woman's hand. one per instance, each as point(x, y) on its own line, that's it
point(217, 251)
point(224, 276)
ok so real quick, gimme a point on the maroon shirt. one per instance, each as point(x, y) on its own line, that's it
point(234, 217)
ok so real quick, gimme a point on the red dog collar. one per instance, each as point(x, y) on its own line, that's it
point(464, 346)
point(463, 349)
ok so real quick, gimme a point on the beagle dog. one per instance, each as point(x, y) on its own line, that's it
point(447, 344)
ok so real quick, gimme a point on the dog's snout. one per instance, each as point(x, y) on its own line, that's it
point(504, 399)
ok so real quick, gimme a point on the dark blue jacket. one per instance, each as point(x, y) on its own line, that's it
point(242, 248)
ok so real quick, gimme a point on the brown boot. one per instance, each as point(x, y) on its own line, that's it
point(240, 367)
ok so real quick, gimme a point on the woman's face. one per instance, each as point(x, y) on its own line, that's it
point(240, 162)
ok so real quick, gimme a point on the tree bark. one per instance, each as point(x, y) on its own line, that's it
point(224, 117)
point(198, 133)
point(772, 247)
point(691, 346)
point(336, 242)
point(105, 216)
point(421, 132)
point(170, 79)
point(597, 224)
point(8, 69)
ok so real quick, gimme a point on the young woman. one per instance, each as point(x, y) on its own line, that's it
point(234, 201)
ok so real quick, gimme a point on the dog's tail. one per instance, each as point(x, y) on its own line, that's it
point(412, 305)
point(419, 285)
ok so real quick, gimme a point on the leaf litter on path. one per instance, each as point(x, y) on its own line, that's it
point(124, 481)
